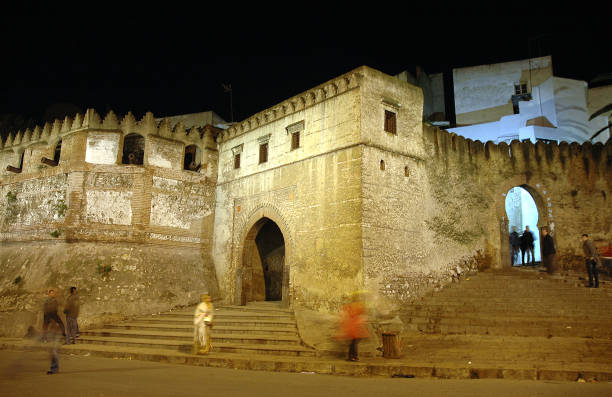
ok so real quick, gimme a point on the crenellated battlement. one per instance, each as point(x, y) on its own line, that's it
point(89, 138)
point(295, 104)
point(91, 120)
point(526, 155)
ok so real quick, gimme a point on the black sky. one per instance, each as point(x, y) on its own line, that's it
point(173, 69)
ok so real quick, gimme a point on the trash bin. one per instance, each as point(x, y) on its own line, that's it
point(391, 345)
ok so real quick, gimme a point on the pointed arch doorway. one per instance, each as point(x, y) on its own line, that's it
point(263, 263)
point(522, 211)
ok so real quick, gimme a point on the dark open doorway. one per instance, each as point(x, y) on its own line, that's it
point(263, 263)
point(271, 247)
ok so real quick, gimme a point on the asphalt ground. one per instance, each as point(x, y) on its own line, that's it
point(24, 374)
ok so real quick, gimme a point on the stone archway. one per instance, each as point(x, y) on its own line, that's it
point(263, 268)
point(523, 215)
point(537, 192)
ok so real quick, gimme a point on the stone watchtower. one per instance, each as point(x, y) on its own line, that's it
point(122, 209)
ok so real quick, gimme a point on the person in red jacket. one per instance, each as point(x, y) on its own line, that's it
point(353, 325)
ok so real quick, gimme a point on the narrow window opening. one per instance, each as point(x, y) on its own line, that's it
point(406, 171)
point(237, 152)
point(295, 140)
point(382, 165)
point(58, 152)
point(390, 122)
point(263, 153)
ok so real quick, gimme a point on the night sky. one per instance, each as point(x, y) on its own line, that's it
point(177, 70)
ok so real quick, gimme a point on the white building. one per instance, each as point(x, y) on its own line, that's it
point(523, 100)
point(518, 100)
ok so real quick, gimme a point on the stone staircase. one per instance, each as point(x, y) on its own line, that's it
point(513, 324)
point(522, 302)
point(258, 328)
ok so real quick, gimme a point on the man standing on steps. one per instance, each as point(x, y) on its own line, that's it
point(592, 260)
point(527, 245)
point(548, 251)
point(71, 310)
point(50, 314)
point(515, 246)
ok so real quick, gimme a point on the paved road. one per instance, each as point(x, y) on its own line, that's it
point(23, 374)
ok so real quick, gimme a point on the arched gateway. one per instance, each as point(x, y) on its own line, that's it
point(542, 216)
point(263, 274)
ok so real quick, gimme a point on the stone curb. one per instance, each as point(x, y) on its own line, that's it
point(333, 367)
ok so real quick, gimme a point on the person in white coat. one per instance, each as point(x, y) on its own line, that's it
point(203, 321)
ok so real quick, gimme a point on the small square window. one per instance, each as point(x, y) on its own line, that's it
point(520, 89)
point(295, 140)
point(390, 122)
point(263, 153)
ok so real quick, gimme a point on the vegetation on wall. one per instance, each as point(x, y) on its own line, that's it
point(104, 270)
point(11, 197)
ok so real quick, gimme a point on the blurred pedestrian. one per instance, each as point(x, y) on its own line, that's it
point(54, 339)
point(548, 251)
point(203, 322)
point(71, 310)
point(353, 324)
point(592, 260)
point(515, 246)
point(50, 314)
point(527, 246)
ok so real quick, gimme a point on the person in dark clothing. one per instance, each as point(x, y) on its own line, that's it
point(50, 314)
point(527, 245)
point(72, 312)
point(54, 338)
point(548, 252)
point(515, 246)
point(592, 259)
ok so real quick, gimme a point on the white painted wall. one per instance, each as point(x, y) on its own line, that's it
point(571, 109)
point(487, 86)
point(563, 102)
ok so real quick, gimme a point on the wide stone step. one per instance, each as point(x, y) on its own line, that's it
point(516, 329)
point(186, 347)
point(529, 285)
point(189, 328)
point(188, 336)
point(257, 309)
point(474, 310)
point(245, 315)
point(512, 316)
point(518, 323)
point(219, 322)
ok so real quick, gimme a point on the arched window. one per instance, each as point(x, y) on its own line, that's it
point(193, 158)
point(133, 149)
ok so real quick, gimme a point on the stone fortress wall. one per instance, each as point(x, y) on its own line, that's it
point(394, 214)
point(312, 192)
point(360, 208)
point(132, 238)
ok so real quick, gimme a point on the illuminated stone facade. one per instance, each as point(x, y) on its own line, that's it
point(365, 196)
